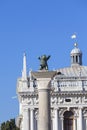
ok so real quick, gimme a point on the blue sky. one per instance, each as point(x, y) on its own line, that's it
point(36, 27)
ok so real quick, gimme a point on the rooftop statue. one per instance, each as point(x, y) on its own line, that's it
point(43, 62)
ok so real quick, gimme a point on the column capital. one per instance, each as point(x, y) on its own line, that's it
point(75, 117)
point(44, 74)
point(68, 108)
point(43, 84)
point(80, 108)
point(85, 117)
point(56, 108)
point(31, 109)
point(26, 109)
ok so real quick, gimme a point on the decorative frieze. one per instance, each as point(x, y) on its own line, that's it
point(61, 112)
point(85, 113)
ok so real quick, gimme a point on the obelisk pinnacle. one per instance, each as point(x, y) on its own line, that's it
point(24, 71)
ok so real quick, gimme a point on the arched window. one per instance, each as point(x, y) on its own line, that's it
point(76, 59)
point(73, 59)
point(68, 120)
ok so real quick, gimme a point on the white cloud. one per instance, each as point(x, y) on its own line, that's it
point(14, 97)
point(73, 36)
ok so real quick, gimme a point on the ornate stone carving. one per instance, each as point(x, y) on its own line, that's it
point(85, 112)
point(52, 113)
point(54, 100)
point(30, 101)
point(61, 100)
point(84, 99)
point(76, 112)
point(77, 99)
point(36, 101)
point(61, 111)
point(54, 86)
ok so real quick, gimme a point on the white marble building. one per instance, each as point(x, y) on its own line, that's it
point(68, 97)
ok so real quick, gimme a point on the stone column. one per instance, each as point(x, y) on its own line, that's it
point(44, 122)
point(36, 120)
point(35, 124)
point(31, 119)
point(43, 78)
point(75, 123)
point(53, 124)
point(62, 123)
point(20, 108)
point(86, 123)
point(80, 119)
point(56, 119)
point(26, 119)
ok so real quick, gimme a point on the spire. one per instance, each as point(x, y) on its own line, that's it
point(75, 44)
point(24, 71)
point(30, 75)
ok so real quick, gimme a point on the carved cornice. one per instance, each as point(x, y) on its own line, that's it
point(69, 93)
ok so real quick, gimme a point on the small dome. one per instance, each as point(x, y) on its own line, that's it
point(76, 56)
point(76, 50)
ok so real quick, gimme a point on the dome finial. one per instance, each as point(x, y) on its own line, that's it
point(24, 71)
point(75, 44)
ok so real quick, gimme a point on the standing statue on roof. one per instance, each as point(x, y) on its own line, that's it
point(43, 62)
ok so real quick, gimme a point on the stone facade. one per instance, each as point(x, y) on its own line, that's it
point(67, 97)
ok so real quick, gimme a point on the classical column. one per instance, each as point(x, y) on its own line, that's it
point(20, 108)
point(75, 123)
point(62, 123)
point(35, 124)
point(26, 119)
point(86, 123)
point(36, 120)
point(80, 119)
point(56, 119)
point(53, 124)
point(43, 83)
point(31, 119)
point(44, 122)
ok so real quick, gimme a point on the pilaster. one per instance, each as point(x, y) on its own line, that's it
point(75, 123)
point(80, 119)
point(56, 118)
point(86, 123)
point(26, 115)
point(62, 123)
point(32, 119)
